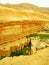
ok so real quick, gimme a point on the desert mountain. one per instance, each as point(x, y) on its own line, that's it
point(22, 11)
point(27, 6)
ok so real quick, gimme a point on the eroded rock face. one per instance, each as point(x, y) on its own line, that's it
point(38, 43)
point(17, 23)
point(14, 31)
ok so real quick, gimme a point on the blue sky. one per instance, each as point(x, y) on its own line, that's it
point(40, 3)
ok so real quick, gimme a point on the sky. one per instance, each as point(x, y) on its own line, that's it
point(40, 3)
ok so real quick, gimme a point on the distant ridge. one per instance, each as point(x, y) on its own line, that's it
point(28, 6)
point(45, 8)
point(23, 11)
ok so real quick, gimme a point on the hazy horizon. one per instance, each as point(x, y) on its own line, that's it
point(40, 3)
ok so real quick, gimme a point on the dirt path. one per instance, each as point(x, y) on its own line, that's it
point(40, 58)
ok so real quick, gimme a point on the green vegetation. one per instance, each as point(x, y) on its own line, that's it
point(32, 35)
point(22, 52)
point(42, 36)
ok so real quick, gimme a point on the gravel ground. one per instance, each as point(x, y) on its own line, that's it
point(39, 58)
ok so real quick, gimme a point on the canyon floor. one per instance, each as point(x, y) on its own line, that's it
point(39, 58)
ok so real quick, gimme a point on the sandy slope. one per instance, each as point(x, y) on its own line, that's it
point(12, 14)
point(27, 6)
point(8, 13)
point(40, 58)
